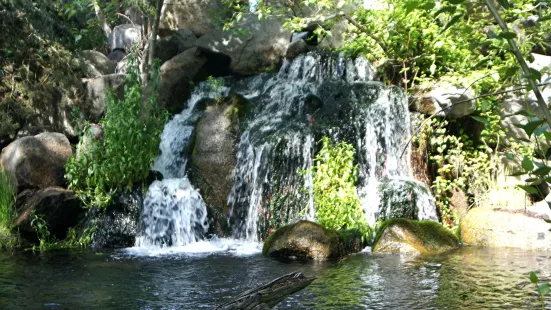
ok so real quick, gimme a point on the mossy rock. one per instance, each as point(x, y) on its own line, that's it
point(307, 240)
point(413, 237)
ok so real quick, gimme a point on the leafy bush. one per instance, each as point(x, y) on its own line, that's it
point(335, 196)
point(132, 129)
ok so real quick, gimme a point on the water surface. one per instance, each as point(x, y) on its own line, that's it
point(470, 278)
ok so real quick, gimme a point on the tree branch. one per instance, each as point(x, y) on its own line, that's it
point(101, 17)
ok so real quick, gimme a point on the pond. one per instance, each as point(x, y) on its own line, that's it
point(469, 278)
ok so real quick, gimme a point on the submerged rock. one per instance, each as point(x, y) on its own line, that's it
point(413, 237)
point(507, 227)
point(37, 161)
point(308, 240)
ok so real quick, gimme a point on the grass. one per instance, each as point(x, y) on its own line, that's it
point(7, 201)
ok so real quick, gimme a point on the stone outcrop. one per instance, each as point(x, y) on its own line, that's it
point(413, 237)
point(123, 36)
point(95, 64)
point(213, 154)
point(37, 161)
point(199, 16)
point(307, 240)
point(184, 39)
point(448, 100)
point(259, 51)
point(96, 93)
point(508, 227)
point(58, 207)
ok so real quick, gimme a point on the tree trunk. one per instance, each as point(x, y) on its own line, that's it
point(101, 17)
point(269, 295)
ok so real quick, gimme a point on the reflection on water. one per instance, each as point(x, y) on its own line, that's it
point(466, 279)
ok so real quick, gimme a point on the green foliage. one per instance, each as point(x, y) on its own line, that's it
point(48, 242)
point(336, 199)
point(132, 129)
point(7, 201)
point(543, 288)
point(215, 86)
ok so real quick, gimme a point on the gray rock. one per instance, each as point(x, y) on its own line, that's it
point(59, 208)
point(199, 16)
point(116, 55)
point(443, 99)
point(184, 39)
point(96, 91)
point(95, 64)
point(123, 36)
point(260, 50)
point(165, 49)
point(176, 76)
point(95, 133)
point(37, 161)
point(296, 48)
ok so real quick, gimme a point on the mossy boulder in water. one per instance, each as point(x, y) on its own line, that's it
point(307, 240)
point(413, 237)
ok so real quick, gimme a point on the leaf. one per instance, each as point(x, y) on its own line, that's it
point(542, 171)
point(530, 127)
point(452, 21)
point(533, 277)
point(508, 35)
point(446, 9)
point(481, 119)
point(544, 289)
point(456, 1)
point(510, 156)
point(547, 135)
point(529, 189)
point(504, 3)
point(527, 164)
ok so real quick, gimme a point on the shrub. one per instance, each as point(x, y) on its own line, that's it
point(132, 129)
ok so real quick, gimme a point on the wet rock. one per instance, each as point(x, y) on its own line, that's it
point(95, 64)
point(176, 76)
point(165, 49)
point(508, 227)
point(413, 237)
point(199, 16)
point(214, 156)
point(96, 92)
point(406, 199)
point(307, 240)
point(116, 55)
point(123, 36)
point(296, 48)
point(261, 50)
point(37, 161)
point(59, 208)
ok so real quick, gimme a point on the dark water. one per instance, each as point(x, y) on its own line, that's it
point(469, 278)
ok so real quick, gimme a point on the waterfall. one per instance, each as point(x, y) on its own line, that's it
point(311, 97)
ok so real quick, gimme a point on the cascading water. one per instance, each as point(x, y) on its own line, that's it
point(311, 97)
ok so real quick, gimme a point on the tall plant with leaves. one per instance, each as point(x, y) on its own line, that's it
point(7, 201)
point(132, 129)
point(336, 200)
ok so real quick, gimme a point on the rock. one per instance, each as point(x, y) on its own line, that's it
point(95, 64)
point(199, 16)
point(525, 101)
point(506, 227)
point(59, 208)
point(121, 66)
point(165, 49)
point(261, 50)
point(443, 98)
point(123, 36)
point(96, 91)
point(307, 240)
point(37, 161)
point(408, 199)
point(413, 237)
point(116, 55)
point(176, 76)
point(296, 48)
point(184, 39)
point(337, 38)
point(117, 226)
point(214, 156)
point(459, 203)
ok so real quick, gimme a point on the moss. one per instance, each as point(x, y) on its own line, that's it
point(425, 234)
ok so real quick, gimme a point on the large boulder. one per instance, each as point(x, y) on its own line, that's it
point(37, 161)
point(165, 49)
point(408, 199)
point(199, 16)
point(123, 36)
point(58, 207)
point(214, 156)
point(96, 91)
point(95, 64)
point(508, 227)
point(413, 237)
point(176, 76)
point(448, 100)
point(184, 39)
point(307, 240)
point(260, 50)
